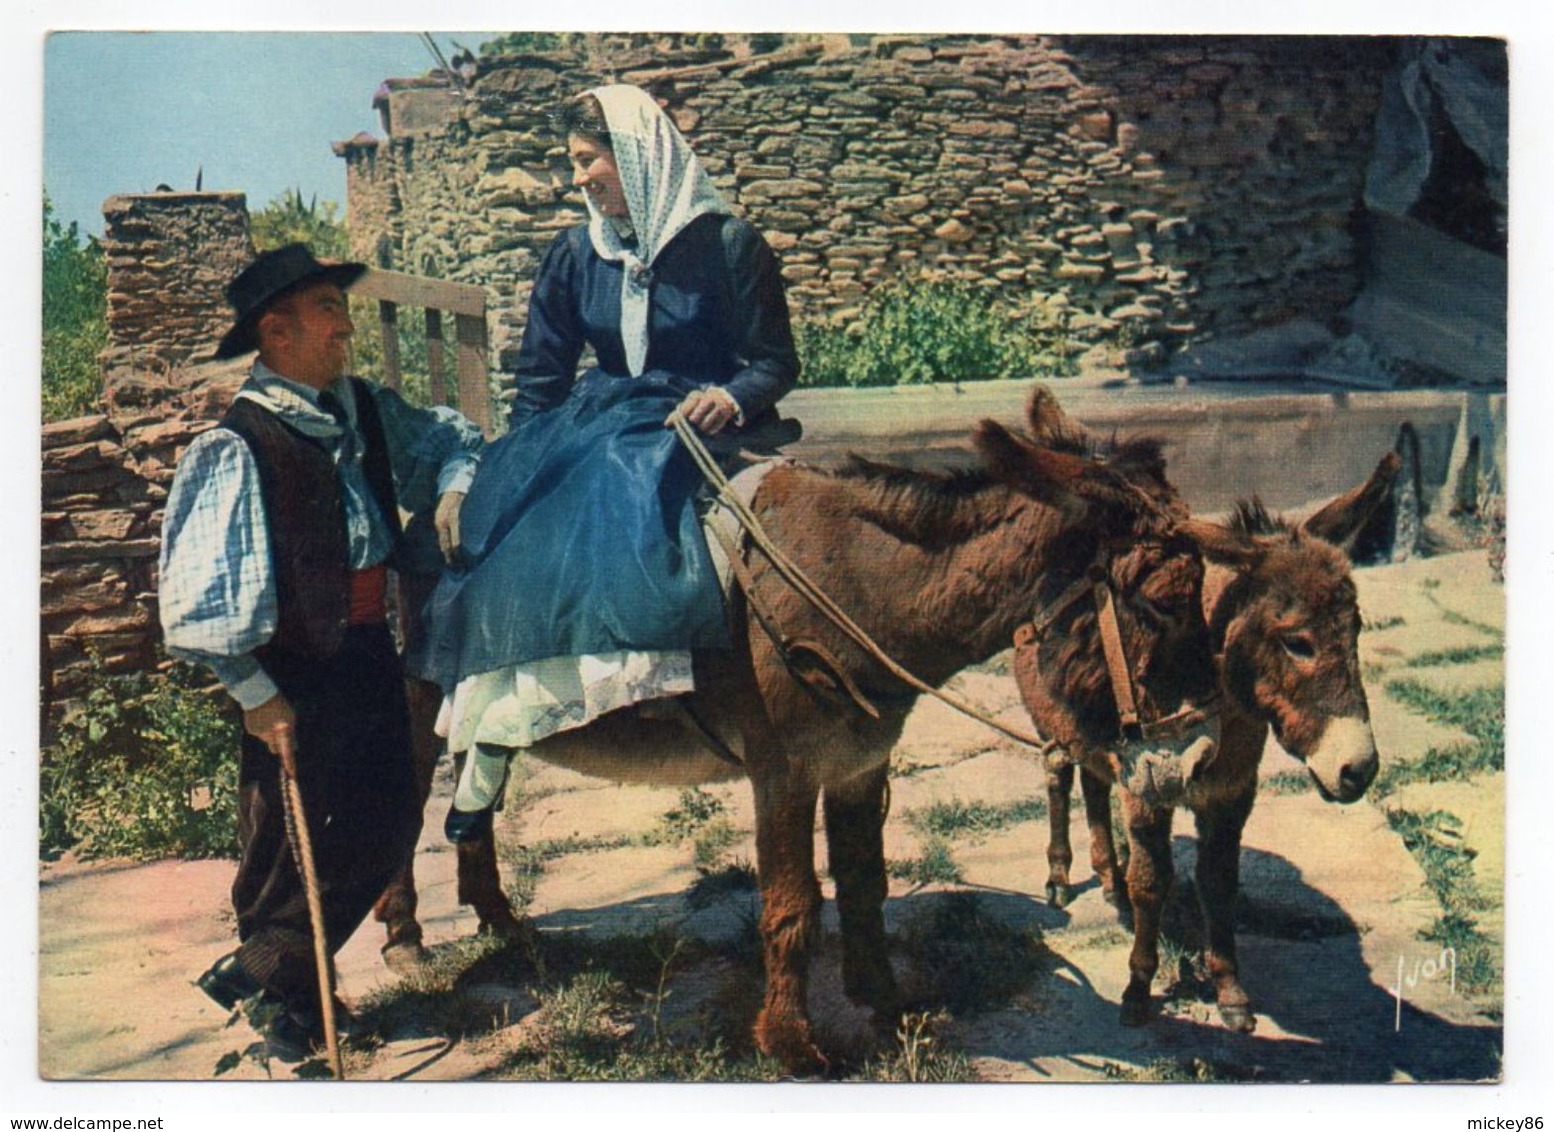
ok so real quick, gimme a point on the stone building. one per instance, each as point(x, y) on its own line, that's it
point(1164, 191)
point(1172, 196)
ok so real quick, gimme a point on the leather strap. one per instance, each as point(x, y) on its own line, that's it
point(1116, 659)
point(822, 673)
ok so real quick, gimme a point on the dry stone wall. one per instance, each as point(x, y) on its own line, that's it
point(106, 476)
point(1163, 191)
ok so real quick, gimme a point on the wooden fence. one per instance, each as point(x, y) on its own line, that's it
point(436, 297)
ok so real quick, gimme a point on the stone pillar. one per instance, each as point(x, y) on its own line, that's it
point(170, 256)
point(105, 477)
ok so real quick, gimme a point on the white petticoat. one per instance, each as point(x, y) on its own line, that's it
point(492, 713)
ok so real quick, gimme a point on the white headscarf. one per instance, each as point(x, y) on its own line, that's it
point(665, 188)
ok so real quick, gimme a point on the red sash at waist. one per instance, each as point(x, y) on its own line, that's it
point(369, 591)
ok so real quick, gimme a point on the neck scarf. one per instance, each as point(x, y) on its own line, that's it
point(665, 188)
point(298, 406)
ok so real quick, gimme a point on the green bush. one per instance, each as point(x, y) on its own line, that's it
point(286, 220)
point(75, 318)
point(144, 766)
point(914, 332)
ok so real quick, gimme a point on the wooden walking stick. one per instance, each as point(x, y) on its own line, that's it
point(302, 849)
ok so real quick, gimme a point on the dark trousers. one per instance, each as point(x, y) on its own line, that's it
point(359, 793)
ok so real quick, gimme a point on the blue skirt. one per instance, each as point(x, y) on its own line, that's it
point(580, 535)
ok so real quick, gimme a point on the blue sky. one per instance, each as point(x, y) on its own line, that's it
point(126, 111)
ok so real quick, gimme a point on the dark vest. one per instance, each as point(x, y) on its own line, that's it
point(305, 514)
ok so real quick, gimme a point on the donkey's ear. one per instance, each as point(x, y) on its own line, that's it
point(1046, 417)
point(1341, 521)
point(1054, 478)
point(1223, 545)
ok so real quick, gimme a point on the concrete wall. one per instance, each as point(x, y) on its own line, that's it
point(1287, 444)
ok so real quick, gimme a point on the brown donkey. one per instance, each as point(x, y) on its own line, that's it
point(1282, 609)
point(940, 570)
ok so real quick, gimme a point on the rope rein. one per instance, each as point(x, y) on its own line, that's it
point(790, 572)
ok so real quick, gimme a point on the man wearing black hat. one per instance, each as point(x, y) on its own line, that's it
point(279, 530)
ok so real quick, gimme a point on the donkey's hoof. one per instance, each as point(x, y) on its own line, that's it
point(406, 958)
point(790, 1044)
point(1136, 1011)
point(501, 924)
point(1238, 1018)
point(1059, 895)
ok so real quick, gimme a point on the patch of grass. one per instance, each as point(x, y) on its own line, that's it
point(1381, 623)
point(1452, 617)
point(1182, 969)
point(430, 995)
point(920, 1055)
point(1435, 840)
point(1477, 955)
point(967, 960)
point(710, 843)
point(1106, 937)
point(588, 1029)
point(1285, 782)
point(628, 1060)
point(696, 809)
point(1435, 837)
point(572, 845)
point(956, 818)
point(711, 887)
point(1480, 712)
point(1456, 763)
point(584, 1017)
point(936, 865)
point(1465, 655)
point(1186, 1070)
point(526, 865)
point(600, 1012)
point(934, 329)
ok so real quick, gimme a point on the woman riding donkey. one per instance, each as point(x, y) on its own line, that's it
point(585, 579)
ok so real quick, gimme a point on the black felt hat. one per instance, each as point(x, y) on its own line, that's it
point(267, 279)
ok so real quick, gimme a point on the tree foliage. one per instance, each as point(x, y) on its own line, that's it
point(75, 317)
point(287, 220)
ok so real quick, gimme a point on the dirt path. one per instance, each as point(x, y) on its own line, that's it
point(1334, 905)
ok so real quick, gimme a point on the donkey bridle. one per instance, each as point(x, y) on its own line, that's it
point(1095, 583)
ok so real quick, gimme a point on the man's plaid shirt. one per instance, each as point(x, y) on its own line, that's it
point(217, 585)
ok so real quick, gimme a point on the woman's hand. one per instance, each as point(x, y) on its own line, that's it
point(709, 409)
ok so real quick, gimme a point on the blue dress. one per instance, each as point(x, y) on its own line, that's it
point(580, 533)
